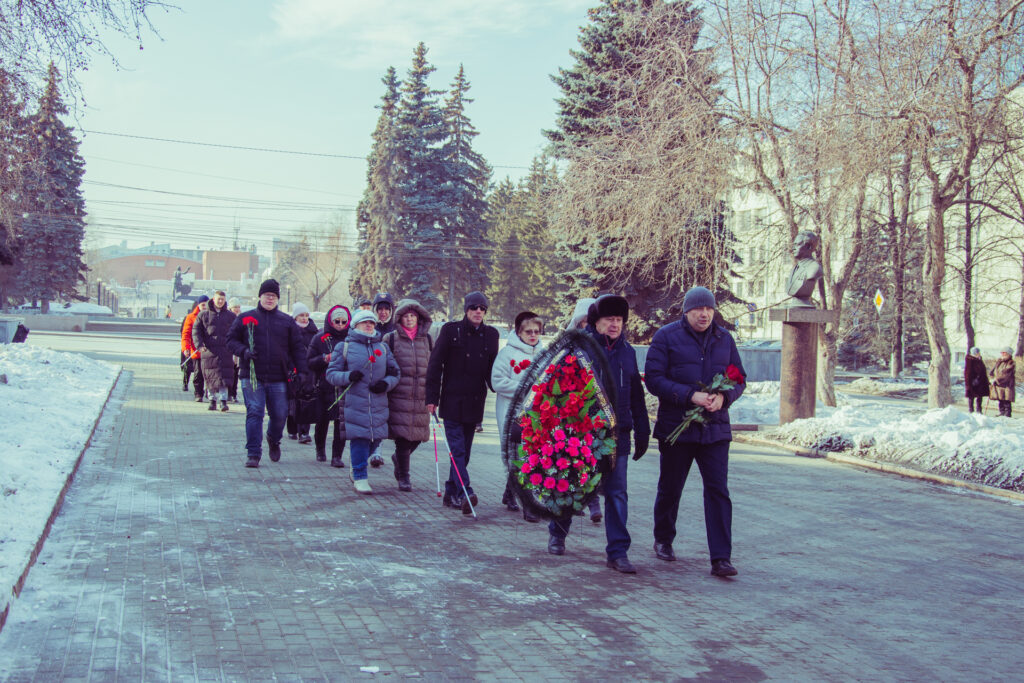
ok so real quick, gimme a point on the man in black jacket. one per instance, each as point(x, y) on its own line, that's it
point(458, 377)
point(606, 322)
point(277, 348)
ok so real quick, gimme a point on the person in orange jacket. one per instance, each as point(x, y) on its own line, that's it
point(189, 355)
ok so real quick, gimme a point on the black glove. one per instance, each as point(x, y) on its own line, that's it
point(641, 444)
point(355, 376)
point(379, 387)
point(250, 354)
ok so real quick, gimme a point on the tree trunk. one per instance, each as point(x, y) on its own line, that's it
point(451, 286)
point(968, 265)
point(1020, 312)
point(828, 341)
point(934, 271)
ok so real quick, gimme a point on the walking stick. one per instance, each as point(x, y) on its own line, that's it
point(458, 474)
point(437, 466)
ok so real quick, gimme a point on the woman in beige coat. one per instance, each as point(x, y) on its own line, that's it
point(1004, 381)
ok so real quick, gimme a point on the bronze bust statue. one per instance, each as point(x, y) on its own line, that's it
point(806, 271)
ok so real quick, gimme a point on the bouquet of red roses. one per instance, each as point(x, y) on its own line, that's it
point(719, 383)
point(566, 437)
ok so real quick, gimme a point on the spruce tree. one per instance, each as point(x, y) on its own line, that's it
point(50, 243)
point(465, 196)
point(419, 244)
point(508, 279)
point(13, 144)
point(633, 213)
point(377, 215)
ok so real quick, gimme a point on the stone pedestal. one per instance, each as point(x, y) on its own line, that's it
point(799, 377)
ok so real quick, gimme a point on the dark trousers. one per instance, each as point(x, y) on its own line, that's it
point(1006, 408)
point(713, 462)
point(190, 367)
point(971, 403)
point(403, 451)
point(460, 442)
point(320, 436)
point(296, 428)
point(616, 503)
point(233, 391)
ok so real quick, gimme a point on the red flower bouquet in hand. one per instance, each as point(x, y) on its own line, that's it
point(566, 436)
point(731, 378)
point(250, 324)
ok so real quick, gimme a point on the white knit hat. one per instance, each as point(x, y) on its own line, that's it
point(299, 308)
point(362, 316)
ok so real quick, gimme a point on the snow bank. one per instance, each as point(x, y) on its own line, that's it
point(970, 446)
point(885, 387)
point(49, 402)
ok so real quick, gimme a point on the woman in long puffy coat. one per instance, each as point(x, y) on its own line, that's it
point(366, 371)
point(330, 409)
point(1004, 382)
point(210, 337)
point(409, 421)
point(975, 379)
point(518, 353)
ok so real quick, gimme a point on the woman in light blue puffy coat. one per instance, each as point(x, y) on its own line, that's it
point(366, 369)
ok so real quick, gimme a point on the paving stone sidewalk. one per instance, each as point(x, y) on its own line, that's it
point(170, 561)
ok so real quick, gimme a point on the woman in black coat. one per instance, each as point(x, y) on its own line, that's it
point(320, 350)
point(975, 379)
point(210, 337)
point(296, 429)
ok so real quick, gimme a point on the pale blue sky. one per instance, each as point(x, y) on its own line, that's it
point(298, 75)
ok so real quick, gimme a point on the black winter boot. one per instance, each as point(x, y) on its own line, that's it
point(213, 405)
point(223, 406)
point(321, 454)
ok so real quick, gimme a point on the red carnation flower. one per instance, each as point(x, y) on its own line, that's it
point(734, 374)
point(325, 337)
point(512, 363)
point(377, 352)
point(249, 320)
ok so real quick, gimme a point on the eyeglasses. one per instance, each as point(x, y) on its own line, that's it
point(478, 308)
point(340, 321)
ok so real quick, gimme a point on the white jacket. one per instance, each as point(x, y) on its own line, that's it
point(504, 379)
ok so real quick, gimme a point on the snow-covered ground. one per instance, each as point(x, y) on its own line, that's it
point(49, 401)
point(978, 448)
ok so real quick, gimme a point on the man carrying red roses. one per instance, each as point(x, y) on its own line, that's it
point(685, 359)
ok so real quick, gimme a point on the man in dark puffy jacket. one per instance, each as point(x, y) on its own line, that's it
point(458, 377)
point(606, 322)
point(277, 348)
point(684, 358)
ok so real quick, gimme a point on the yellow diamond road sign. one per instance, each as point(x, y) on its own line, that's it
point(879, 300)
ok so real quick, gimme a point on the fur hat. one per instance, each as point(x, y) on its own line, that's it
point(475, 299)
point(696, 297)
point(363, 316)
point(270, 287)
point(608, 305)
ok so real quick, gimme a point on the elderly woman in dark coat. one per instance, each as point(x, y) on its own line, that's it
point(975, 379)
point(321, 350)
point(1004, 381)
point(409, 421)
point(210, 337)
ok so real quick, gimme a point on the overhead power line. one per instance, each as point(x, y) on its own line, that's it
point(270, 150)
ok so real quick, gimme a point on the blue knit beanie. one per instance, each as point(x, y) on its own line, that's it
point(697, 297)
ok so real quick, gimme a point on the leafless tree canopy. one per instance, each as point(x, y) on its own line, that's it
point(659, 165)
point(69, 33)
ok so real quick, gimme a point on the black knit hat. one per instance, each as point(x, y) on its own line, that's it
point(697, 297)
point(475, 299)
point(608, 305)
point(270, 286)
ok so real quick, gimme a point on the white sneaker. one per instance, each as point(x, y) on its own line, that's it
point(362, 486)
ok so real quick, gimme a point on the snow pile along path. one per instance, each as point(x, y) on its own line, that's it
point(49, 402)
point(969, 446)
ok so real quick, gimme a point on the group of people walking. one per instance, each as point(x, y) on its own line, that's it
point(997, 384)
point(376, 372)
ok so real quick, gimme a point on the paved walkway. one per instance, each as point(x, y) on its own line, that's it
point(170, 561)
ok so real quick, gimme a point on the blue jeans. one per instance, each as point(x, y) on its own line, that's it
point(713, 462)
point(615, 505)
point(460, 441)
point(359, 451)
point(269, 397)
